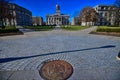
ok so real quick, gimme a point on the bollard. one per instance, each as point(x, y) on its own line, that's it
point(118, 57)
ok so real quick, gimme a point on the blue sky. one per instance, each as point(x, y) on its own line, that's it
point(71, 7)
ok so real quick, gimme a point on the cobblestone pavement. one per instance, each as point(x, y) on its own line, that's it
point(92, 56)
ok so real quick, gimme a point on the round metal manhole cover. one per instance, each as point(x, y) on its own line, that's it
point(56, 70)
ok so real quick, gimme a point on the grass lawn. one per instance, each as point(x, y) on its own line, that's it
point(9, 29)
point(73, 28)
point(107, 29)
point(40, 28)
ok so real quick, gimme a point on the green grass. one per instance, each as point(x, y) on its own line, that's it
point(9, 29)
point(40, 28)
point(108, 29)
point(74, 28)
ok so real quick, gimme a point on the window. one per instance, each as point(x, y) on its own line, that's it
point(110, 14)
point(100, 19)
point(102, 8)
point(109, 8)
point(101, 14)
point(59, 19)
point(105, 14)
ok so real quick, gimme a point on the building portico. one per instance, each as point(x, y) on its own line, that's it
point(57, 18)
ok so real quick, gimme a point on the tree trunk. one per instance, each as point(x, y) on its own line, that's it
point(3, 26)
point(14, 22)
point(10, 22)
point(86, 23)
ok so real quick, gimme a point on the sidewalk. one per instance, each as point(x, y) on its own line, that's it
point(23, 29)
point(93, 57)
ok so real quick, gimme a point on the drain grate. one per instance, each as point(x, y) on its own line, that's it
point(56, 70)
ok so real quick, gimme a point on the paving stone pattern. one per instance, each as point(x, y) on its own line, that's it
point(92, 56)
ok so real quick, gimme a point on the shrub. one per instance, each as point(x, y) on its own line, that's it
point(108, 29)
point(74, 28)
point(40, 28)
point(8, 29)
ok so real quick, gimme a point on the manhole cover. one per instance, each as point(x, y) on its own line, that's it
point(56, 70)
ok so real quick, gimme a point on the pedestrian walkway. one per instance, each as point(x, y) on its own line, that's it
point(24, 30)
point(93, 57)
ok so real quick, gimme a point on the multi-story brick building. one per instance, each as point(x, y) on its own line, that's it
point(75, 20)
point(36, 20)
point(108, 15)
point(19, 16)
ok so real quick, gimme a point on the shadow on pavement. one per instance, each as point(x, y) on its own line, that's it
point(3, 60)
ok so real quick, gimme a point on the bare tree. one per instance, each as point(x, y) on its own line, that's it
point(88, 14)
point(117, 4)
point(4, 12)
point(76, 17)
point(84, 14)
point(93, 16)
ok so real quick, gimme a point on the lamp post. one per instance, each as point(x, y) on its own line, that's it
point(118, 57)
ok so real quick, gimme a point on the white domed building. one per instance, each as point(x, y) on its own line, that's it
point(57, 18)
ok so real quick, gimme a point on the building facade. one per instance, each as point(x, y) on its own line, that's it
point(57, 18)
point(36, 20)
point(19, 16)
point(108, 15)
point(75, 21)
